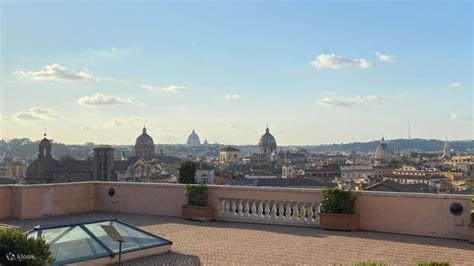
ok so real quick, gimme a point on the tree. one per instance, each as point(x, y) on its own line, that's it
point(66, 157)
point(187, 170)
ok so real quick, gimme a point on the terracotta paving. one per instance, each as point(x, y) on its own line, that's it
point(224, 243)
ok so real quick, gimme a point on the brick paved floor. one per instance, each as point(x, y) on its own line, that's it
point(223, 243)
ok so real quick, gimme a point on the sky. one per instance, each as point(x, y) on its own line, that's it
point(315, 72)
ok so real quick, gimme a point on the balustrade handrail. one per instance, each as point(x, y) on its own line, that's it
point(269, 211)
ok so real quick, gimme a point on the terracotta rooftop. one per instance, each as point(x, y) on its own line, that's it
point(224, 243)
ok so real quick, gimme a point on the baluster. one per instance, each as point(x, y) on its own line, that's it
point(274, 210)
point(267, 210)
point(240, 208)
point(222, 209)
point(260, 210)
point(297, 212)
point(247, 208)
point(288, 211)
point(303, 212)
point(311, 213)
point(280, 211)
point(233, 208)
point(254, 208)
point(226, 207)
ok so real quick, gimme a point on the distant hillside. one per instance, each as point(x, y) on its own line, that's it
point(418, 145)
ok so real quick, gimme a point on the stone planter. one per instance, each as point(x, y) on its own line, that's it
point(471, 233)
point(339, 221)
point(198, 213)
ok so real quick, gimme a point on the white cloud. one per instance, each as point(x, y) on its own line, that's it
point(350, 101)
point(37, 113)
point(100, 99)
point(117, 122)
point(56, 72)
point(233, 127)
point(460, 117)
point(455, 85)
point(167, 89)
point(385, 57)
point(233, 97)
point(109, 52)
point(333, 61)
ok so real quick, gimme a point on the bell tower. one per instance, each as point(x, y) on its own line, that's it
point(103, 164)
point(44, 148)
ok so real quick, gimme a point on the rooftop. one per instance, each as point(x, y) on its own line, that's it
point(196, 243)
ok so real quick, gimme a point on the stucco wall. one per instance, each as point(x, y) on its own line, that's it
point(5, 202)
point(144, 198)
point(34, 201)
point(413, 213)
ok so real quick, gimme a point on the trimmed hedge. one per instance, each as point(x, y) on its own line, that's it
point(336, 200)
point(196, 194)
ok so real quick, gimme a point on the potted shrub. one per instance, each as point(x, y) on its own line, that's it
point(16, 248)
point(197, 208)
point(337, 210)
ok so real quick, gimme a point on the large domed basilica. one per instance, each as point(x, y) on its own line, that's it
point(193, 139)
point(382, 152)
point(267, 143)
point(144, 146)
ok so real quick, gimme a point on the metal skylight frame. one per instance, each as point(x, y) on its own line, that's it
point(82, 225)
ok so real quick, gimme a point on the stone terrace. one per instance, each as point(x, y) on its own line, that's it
point(227, 243)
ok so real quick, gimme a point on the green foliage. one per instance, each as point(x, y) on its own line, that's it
point(433, 263)
point(187, 170)
point(23, 250)
point(370, 263)
point(196, 194)
point(336, 200)
point(66, 157)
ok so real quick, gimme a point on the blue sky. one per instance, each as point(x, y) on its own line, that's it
point(315, 72)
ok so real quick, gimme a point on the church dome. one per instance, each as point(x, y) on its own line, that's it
point(144, 139)
point(193, 139)
point(382, 151)
point(267, 143)
point(144, 146)
point(41, 170)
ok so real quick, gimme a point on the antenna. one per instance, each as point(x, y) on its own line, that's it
point(409, 130)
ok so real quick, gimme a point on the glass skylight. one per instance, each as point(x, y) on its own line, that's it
point(85, 240)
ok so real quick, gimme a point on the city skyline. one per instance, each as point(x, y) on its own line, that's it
point(230, 69)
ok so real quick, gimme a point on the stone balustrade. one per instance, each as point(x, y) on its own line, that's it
point(269, 212)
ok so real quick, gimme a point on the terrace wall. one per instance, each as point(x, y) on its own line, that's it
point(406, 213)
point(34, 201)
point(5, 201)
point(413, 213)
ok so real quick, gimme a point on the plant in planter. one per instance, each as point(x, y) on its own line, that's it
point(337, 210)
point(197, 208)
point(17, 249)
